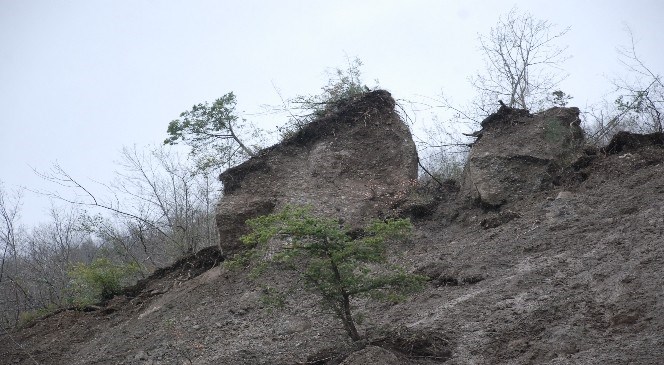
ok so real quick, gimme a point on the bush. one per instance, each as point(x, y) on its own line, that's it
point(99, 281)
point(26, 318)
point(342, 84)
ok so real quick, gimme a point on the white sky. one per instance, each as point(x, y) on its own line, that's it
point(80, 79)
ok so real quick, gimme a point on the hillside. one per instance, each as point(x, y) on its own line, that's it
point(556, 257)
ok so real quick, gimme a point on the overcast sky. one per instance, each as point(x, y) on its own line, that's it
point(81, 79)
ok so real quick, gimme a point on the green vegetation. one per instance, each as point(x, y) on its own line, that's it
point(27, 317)
point(337, 264)
point(212, 130)
point(209, 131)
point(100, 280)
point(342, 84)
point(89, 284)
point(559, 98)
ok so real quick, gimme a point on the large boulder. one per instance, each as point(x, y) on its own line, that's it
point(624, 141)
point(517, 153)
point(348, 164)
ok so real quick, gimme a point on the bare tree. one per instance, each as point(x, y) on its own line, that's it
point(35, 264)
point(522, 63)
point(9, 213)
point(523, 69)
point(164, 204)
point(638, 103)
point(10, 291)
point(643, 95)
point(158, 208)
point(49, 251)
point(179, 197)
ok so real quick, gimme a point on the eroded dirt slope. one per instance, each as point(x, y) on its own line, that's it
point(573, 275)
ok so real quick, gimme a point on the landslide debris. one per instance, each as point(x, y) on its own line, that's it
point(568, 271)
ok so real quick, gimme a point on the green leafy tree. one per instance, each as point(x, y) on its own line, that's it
point(210, 130)
point(332, 261)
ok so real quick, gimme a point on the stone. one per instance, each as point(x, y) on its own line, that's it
point(347, 164)
point(626, 141)
point(372, 355)
point(518, 153)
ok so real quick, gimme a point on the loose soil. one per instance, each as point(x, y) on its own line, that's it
point(571, 275)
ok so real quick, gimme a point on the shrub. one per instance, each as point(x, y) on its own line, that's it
point(342, 84)
point(26, 318)
point(98, 281)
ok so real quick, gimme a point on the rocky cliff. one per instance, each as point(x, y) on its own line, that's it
point(347, 164)
point(517, 153)
point(556, 258)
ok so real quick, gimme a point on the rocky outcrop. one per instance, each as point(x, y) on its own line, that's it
point(626, 141)
point(572, 275)
point(347, 164)
point(517, 153)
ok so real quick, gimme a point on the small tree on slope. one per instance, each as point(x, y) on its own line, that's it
point(209, 130)
point(330, 260)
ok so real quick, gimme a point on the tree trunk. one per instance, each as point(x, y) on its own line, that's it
point(242, 146)
point(344, 310)
point(347, 318)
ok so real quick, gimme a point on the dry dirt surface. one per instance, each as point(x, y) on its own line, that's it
point(569, 275)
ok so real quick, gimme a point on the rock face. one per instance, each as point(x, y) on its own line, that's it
point(347, 164)
point(517, 153)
